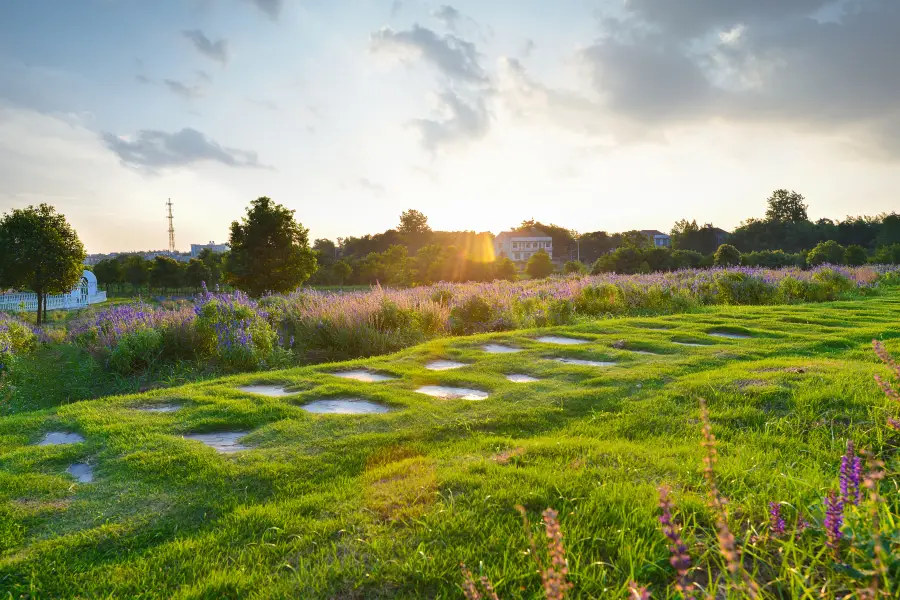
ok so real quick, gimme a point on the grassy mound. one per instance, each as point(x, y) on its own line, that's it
point(388, 505)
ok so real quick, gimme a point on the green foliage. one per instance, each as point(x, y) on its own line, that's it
point(739, 289)
point(829, 252)
point(234, 334)
point(269, 250)
point(786, 207)
point(855, 256)
point(575, 267)
point(772, 259)
point(635, 239)
point(136, 270)
point(109, 271)
point(686, 259)
point(136, 352)
point(475, 315)
point(39, 251)
point(413, 223)
point(504, 268)
point(197, 273)
point(539, 265)
point(887, 255)
point(601, 299)
point(727, 256)
point(166, 273)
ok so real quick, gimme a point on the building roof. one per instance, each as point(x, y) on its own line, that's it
point(653, 232)
point(532, 232)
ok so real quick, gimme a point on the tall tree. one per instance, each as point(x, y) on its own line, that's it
point(136, 270)
point(197, 273)
point(539, 265)
point(413, 222)
point(165, 273)
point(269, 250)
point(786, 207)
point(108, 271)
point(635, 239)
point(39, 251)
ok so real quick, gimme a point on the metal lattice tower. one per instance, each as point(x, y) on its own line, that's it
point(171, 227)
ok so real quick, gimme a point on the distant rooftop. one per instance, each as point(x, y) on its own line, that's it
point(652, 232)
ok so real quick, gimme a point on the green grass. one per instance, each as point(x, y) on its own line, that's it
point(386, 506)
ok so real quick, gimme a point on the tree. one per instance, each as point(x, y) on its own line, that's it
point(136, 270)
point(213, 261)
point(855, 255)
point(39, 251)
point(686, 259)
point(635, 239)
point(539, 265)
point(165, 273)
point(786, 207)
point(342, 270)
point(413, 222)
point(197, 273)
point(505, 268)
point(727, 256)
point(109, 271)
point(269, 250)
point(826, 252)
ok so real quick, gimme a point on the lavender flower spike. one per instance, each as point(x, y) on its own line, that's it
point(776, 521)
point(834, 519)
point(851, 474)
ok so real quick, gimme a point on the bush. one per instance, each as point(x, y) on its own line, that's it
point(16, 338)
point(828, 252)
point(771, 259)
point(601, 299)
point(887, 255)
point(575, 267)
point(727, 256)
point(136, 352)
point(739, 288)
point(686, 259)
point(475, 315)
point(233, 332)
point(855, 256)
point(539, 265)
point(504, 268)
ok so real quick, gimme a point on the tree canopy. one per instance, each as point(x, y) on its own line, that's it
point(269, 250)
point(786, 207)
point(413, 222)
point(39, 251)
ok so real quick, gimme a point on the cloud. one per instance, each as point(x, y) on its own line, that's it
point(453, 56)
point(448, 15)
point(396, 7)
point(803, 65)
point(459, 121)
point(272, 8)
point(142, 79)
point(267, 104)
point(189, 91)
point(152, 150)
point(217, 51)
point(371, 186)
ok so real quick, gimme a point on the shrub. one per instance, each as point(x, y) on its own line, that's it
point(539, 265)
point(233, 332)
point(16, 338)
point(575, 267)
point(772, 259)
point(855, 255)
point(136, 351)
point(833, 281)
point(474, 315)
point(504, 268)
point(686, 259)
point(727, 256)
point(600, 299)
point(827, 252)
point(887, 255)
point(734, 287)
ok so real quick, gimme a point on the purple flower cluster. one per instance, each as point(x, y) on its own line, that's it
point(776, 521)
point(834, 518)
point(850, 476)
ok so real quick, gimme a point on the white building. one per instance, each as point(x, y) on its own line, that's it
point(83, 294)
point(657, 238)
point(521, 245)
point(196, 249)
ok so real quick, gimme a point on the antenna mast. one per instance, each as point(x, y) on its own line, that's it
point(171, 227)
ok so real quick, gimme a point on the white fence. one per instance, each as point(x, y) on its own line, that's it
point(27, 302)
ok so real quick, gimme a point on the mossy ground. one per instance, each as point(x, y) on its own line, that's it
point(387, 505)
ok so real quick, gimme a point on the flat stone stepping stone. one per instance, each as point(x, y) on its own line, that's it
point(444, 365)
point(225, 442)
point(344, 406)
point(364, 376)
point(729, 335)
point(273, 391)
point(82, 472)
point(520, 378)
point(499, 349)
point(56, 438)
point(586, 363)
point(159, 408)
point(564, 341)
point(694, 344)
point(644, 352)
point(452, 393)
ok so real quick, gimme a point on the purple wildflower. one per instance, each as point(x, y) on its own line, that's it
point(802, 523)
point(680, 559)
point(851, 473)
point(776, 521)
point(834, 519)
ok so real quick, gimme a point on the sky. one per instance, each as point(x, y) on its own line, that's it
point(595, 115)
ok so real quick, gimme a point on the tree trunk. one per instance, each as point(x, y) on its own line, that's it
point(39, 307)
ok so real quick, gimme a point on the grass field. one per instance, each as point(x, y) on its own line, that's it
point(387, 505)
